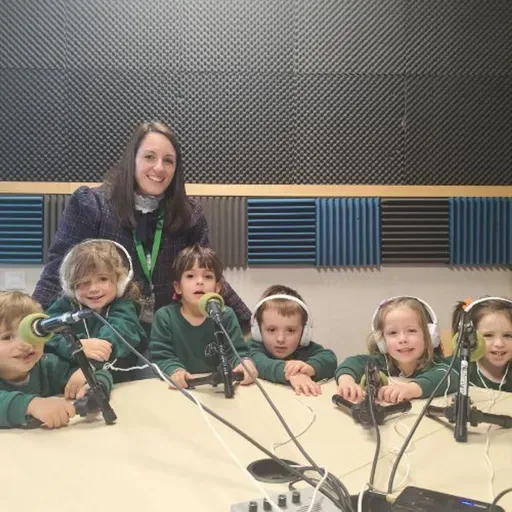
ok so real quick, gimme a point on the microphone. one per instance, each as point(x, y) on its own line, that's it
point(477, 344)
point(212, 305)
point(38, 327)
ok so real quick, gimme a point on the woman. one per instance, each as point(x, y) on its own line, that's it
point(142, 204)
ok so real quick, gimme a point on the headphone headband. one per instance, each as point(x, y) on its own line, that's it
point(121, 285)
point(426, 305)
point(468, 308)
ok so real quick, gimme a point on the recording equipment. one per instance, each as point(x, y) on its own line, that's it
point(38, 327)
point(432, 325)
point(362, 411)
point(297, 500)
point(415, 499)
point(212, 305)
point(307, 331)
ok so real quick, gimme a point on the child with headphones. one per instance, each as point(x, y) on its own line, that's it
point(94, 275)
point(29, 379)
point(282, 346)
point(404, 342)
point(182, 340)
point(492, 318)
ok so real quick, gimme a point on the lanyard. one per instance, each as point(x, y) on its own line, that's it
point(148, 261)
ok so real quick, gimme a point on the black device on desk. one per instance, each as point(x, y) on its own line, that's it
point(415, 499)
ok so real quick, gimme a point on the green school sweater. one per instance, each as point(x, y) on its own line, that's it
point(48, 378)
point(427, 378)
point(271, 368)
point(175, 343)
point(120, 313)
point(478, 379)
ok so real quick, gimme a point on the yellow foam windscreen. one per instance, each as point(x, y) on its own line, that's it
point(478, 351)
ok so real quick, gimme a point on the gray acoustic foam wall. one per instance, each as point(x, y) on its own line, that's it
point(227, 223)
point(53, 208)
point(261, 91)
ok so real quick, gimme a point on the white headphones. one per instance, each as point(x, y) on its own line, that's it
point(307, 332)
point(122, 283)
point(485, 299)
point(433, 328)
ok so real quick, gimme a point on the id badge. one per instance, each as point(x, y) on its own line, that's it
point(147, 308)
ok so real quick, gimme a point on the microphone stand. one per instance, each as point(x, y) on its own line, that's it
point(224, 373)
point(460, 412)
point(362, 411)
point(95, 398)
point(96, 390)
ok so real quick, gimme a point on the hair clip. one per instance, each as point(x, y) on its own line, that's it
point(466, 303)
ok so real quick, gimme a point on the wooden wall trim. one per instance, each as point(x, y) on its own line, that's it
point(227, 190)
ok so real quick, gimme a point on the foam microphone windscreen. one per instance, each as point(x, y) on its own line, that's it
point(384, 381)
point(26, 329)
point(478, 351)
point(206, 298)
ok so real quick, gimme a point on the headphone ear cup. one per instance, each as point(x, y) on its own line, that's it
point(380, 342)
point(255, 330)
point(307, 334)
point(435, 337)
point(122, 285)
point(65, 288)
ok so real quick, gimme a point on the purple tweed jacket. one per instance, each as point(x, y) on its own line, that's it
point(89, 215)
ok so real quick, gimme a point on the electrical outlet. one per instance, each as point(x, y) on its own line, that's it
point(14, 280)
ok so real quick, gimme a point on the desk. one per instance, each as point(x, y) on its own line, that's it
point(161, 454)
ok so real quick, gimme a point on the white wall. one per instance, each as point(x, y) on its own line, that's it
point(342, 301)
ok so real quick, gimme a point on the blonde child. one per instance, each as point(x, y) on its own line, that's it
point(28, 378)
point(93, 275)
point(182, 341)
point(404, 342)
point(282, 346)
point(492, 318)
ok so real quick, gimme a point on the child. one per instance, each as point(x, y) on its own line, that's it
point(492, 318)
point(27, 377)
point(281, 346)
point(404, 342)
point(182, 338)
point(93, 275)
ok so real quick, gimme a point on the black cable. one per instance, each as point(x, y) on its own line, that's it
point(370, 390)
point(421, 415)
point(492, 507)
point(169, 380)
point(348, 503)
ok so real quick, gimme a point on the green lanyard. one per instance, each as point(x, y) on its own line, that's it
point(147, 261)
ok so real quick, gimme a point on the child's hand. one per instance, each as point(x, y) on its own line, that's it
point(303, 385)
point(248, 378)
point(180, 377)
point(74, 385)
point(395, 393)
point(294, 367)
point(349, 389)
point(53, 412)
point(97, 349)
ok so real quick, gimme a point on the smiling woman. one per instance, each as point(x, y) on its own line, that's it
point(142, 205)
